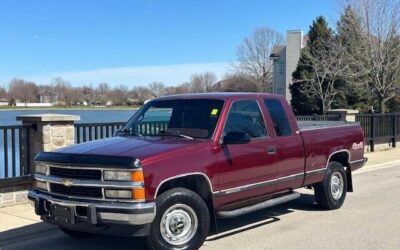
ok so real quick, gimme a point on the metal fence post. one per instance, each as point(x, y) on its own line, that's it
point(372, 132)
point(394, 130)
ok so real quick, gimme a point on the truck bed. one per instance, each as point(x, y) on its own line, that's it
point(312, 125)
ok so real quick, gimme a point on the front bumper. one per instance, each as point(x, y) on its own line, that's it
point(93, 212)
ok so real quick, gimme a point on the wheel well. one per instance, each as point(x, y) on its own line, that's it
point(197, 183)
point(341, 157)
point(344, 158)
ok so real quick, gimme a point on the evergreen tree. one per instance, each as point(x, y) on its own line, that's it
point(302, 102)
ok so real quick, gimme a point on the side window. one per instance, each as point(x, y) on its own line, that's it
point(245, 116)
point(279, 117)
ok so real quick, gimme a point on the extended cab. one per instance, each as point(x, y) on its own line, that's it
point(182, 161)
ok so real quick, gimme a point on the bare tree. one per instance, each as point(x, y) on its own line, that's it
point(156, 89)
point(328, 64)
point(88, 94)
point(75, 96)
point(200, 83)
point(62, 89)
point(180, 89)
point(47, 93)
point(3, 93)
point(102, 92)
point(23, 91)
point(237, 82)
point(118, 95)
point(253, 56)
point(140, 94)
point(379, 49)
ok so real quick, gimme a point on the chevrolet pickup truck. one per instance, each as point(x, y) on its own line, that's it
point(181, 162)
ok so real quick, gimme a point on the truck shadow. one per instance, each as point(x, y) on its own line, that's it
point(44, 236)
point(232, 226)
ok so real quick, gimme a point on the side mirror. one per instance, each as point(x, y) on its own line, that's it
point(236, 138)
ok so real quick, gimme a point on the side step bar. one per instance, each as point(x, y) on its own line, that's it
point(258, 206)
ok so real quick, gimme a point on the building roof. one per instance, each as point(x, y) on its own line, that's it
point(277, 50)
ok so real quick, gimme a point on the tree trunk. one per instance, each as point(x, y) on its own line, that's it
point(382, 105)
point(323, 107)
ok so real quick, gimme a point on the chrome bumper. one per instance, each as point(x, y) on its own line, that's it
point(97, 211)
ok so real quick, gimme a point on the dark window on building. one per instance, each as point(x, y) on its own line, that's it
point(279, 117)
point(245, 116)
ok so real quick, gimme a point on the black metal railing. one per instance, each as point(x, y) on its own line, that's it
point(15, 145)
point(333, 117)
point(14, 151)
point(380, 128)
point(92, 131)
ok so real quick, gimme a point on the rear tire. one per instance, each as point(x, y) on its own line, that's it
point(76, 234)
point(331, 192)
point(182, 221)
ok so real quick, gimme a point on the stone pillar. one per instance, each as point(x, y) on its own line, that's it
point(347, 115)
point(49, 132)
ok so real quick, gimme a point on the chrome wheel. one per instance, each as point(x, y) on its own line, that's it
point(178, 224)
point(337, 185)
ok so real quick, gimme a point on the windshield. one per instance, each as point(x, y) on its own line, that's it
point(188, 118)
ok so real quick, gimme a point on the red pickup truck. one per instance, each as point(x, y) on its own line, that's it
point(183, 161)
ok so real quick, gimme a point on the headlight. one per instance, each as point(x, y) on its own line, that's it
point(117, 175)
point(114, 175)
point(118, 194)
point(41, 185)
point(41, 168)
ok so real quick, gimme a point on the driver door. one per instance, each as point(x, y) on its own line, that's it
point(246, 170)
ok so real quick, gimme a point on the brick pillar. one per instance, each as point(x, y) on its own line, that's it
point(348, 115)
point(49, 132)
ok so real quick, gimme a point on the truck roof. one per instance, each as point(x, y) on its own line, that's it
point(217, 95)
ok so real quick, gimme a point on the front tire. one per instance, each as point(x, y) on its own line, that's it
point(331, 192)
point(182, 221)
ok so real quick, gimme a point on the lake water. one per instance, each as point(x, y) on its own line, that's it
point(87, 116)
point(100, 115)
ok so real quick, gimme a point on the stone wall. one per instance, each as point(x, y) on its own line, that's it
point(14, 191)
point(48, 132)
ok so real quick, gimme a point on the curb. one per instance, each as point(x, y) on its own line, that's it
point(378, 166)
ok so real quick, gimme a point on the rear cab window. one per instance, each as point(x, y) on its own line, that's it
point(279, 117)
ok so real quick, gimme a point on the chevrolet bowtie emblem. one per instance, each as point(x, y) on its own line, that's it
point(68, 182)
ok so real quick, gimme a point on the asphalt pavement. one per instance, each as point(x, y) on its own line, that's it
point(369, 219)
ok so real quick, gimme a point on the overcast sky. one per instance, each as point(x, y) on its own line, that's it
point(136, 42)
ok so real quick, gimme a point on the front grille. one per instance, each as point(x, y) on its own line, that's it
point(72, 173)
point(92, 192)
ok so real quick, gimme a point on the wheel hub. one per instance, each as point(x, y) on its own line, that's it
point(337, 186)
point(178, 224)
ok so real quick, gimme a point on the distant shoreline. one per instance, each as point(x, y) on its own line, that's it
point(69, 108)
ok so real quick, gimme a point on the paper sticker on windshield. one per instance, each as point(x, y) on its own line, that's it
point(214, 111)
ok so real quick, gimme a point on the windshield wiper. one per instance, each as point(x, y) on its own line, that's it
point(175, 133)
point(126, 131)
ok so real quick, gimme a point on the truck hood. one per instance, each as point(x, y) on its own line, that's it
point(138, 147)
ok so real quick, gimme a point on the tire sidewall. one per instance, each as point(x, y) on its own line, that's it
point(335, 167)
point(186, 197)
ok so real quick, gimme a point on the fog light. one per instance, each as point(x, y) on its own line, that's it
point(118, 194)
point(41, 185)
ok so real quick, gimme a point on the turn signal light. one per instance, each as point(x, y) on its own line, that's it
point(138, 194)
point(137, 176)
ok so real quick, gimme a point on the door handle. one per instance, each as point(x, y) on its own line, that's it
point(271, 150)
